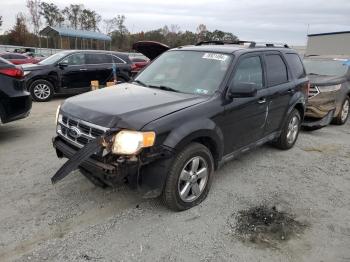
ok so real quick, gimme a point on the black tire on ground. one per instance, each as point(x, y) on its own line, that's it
point(340, 119)
point(286, 139)
point(184, 164)
point(41, 90)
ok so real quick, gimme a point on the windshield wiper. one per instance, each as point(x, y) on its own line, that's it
point(140, 83)
point(314, 74)
point(166, 88)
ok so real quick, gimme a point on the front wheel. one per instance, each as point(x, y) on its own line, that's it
point(290, 131)
point(189, 177)
point(343, 115)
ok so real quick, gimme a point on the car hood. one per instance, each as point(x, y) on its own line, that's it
point(127, 106)
point(322, 80)
point(33, 67)
point(150, 49)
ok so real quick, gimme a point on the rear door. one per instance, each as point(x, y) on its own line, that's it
point(245, 117)
point(75, 75)
point(280, 90)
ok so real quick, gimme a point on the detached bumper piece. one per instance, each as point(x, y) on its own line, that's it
point(312, 124)
point(83, 159)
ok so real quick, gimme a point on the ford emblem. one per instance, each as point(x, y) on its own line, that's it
point(74, 132)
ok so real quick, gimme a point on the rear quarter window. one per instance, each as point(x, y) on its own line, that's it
point(276, 70)
point(295, 65)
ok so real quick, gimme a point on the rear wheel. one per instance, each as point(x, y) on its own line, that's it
point(189, 177)
point(41, 90)
point(343, 115)
point(290, 131)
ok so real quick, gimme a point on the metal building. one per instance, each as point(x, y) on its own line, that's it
point(67, 38)
point(334, 43)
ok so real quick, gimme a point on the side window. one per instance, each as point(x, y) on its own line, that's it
point(18, 57)
point(75, 59)
point(6, 56)
point(95, 59)
point(249, 70)
point(296, 65)
point(276, 70)
point(117, 60)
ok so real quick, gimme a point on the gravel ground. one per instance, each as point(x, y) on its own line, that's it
point(75, 221)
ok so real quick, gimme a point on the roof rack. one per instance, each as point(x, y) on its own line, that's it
point(252, 44)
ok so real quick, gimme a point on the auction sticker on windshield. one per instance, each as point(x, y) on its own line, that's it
point(215, 56)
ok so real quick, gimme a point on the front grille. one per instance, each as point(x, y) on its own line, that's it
point(78, 132)
point(313, 91)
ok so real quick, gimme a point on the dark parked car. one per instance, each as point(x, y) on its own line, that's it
point(188, 112)
point(19, 59)
point(15, 101)
point(330, 88)
point(72, 72)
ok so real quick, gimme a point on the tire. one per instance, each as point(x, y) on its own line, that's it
point(194, 185)
point(41, 90)
point(343, 115)
point(290, 131)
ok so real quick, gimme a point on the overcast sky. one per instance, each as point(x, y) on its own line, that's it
point(260, 20)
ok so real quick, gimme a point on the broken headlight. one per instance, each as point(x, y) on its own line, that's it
point(329, 88)
point(131, 142)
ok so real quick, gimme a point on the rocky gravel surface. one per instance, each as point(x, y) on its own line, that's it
point(76, 221)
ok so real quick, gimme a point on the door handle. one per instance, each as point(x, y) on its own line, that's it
point(290, 91)
point(262, 100)
point(82, 69)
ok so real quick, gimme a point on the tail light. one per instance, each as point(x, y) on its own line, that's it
point(133, 67)
point(16, 72)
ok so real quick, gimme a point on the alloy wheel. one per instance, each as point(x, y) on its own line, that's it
point(193, 179)
point(42, 91)
point(345, 110)
point(293, 129)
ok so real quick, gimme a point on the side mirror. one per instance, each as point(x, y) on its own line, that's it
point(243, 90)
point(62, 64)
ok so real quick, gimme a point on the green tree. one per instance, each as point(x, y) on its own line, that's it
point(73, 13)
point(52, 14)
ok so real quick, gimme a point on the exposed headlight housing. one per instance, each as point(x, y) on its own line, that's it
point(26, 73)
point(58, 115)
point(131, 142)
point(332, 88)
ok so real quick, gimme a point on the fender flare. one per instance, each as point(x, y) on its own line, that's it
point(153, 176)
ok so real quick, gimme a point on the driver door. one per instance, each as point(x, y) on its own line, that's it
point(245, 118)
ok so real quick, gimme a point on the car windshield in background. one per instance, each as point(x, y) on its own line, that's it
point(186, 72)
point(52, 59)
point(331, 67)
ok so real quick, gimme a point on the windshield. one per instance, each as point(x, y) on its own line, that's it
point(331, 67)
point(186, 72)
point(53, 59)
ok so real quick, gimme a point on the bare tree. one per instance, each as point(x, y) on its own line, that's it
point(110, 25)
point(0, 20)
point(52, 14)
point(35, 15)
point(89, 20)
point(73, 13)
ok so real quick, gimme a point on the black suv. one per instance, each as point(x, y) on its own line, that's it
point(15, 101)
point(192, 109)
point(73, 71)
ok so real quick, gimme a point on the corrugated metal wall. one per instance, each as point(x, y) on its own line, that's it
point(332, 44)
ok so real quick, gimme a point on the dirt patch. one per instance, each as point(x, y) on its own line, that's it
point(266, 226)
point(331, 148)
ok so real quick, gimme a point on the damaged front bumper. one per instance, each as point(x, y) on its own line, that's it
point(97, 166)
point(146, 172)
point(314, 124)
